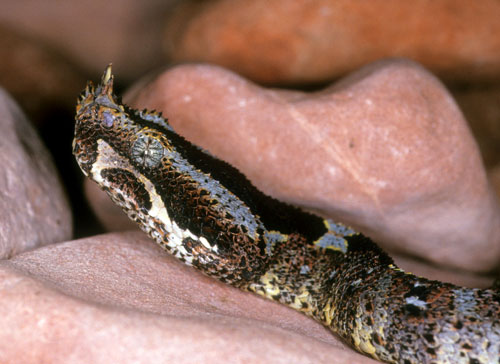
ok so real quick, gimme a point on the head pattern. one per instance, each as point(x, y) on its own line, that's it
point(102, 119)
point(165, 183)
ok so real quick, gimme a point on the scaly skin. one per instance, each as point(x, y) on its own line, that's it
point(208, 215)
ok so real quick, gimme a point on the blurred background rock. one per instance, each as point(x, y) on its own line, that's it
point(48, 51)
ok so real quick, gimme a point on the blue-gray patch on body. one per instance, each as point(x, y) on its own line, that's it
point(334, 238)
point(332, 241)
point(227, 202)
point(273, 237)
point(415, 301)
point(339, 229)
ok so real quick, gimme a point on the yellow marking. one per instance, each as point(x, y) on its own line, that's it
point(336, 248)
point(396, 269)
point(282, 237)
point(302, 297)
point(270, 289)
point(329, 311)
point(362, 340)
point(362, 334)
point(355, 337)
point(367, 347)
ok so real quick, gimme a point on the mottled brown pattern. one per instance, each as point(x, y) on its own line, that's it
point(209, 215)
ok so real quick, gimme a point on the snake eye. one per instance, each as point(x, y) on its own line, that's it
point(147, 151)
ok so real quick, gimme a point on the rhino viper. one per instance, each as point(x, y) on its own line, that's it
point(208, 215)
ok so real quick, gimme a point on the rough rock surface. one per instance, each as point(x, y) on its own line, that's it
point(117, 298)
point(34, 208)
point(316, 41)
point(385, 150)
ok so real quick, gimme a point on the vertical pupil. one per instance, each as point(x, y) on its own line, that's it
point(147, 150)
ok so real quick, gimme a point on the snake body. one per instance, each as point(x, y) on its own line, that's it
point(208, 215)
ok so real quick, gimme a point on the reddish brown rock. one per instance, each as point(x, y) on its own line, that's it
point(118, 298)
point(494, 175)
point(315, 41)
point(95, 33)
point(385, 150)
point(41, 80)
point(34, 208)
point(481, 107)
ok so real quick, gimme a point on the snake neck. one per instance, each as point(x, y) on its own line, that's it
point(300, 273)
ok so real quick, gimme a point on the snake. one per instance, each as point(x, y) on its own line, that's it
point(208, 215)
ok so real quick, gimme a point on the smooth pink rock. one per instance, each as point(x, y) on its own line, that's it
point(386, 150)
point(118, 298)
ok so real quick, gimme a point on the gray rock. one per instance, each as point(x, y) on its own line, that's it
point(34, 210)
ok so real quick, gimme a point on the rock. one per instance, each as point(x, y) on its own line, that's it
point(290, 42)
point(41, 80)
point(385, 150)
point(128, 33)
point(481, 107)
point(34, 208)
point(494, 176)
point(118, 298)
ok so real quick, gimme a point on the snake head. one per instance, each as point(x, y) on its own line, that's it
point(101, 119)
point(186, 199)
point(96, 112)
